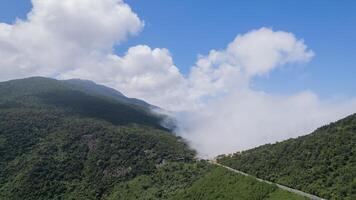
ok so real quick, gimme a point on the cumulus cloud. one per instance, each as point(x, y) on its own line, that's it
point(75, 39)
point(59, 36)
point(142, 72)
point(260, 51)
point(254, 53)
point(214, 105)
point(232, 116)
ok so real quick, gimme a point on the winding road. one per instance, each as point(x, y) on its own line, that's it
point(310, 196)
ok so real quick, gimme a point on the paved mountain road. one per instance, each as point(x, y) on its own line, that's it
point(310, 196)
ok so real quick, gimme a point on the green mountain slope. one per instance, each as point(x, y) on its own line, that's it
point(322, 163)
point(221, 184)
point(197, 182)
point(65, 140)
point(76, 99)
point(91, 87)
point(60, 142)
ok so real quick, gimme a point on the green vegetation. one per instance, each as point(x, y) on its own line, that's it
point(77, 156)
point(322, 163)
point(197, 181)
point(58, 142)
point(163, 184)
point(75, 100)
point(79, 141)
point(282, 194)
point(222, 184)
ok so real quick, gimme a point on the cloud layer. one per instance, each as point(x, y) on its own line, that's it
point(215, 107)
point(246, 119)
point(61, 36)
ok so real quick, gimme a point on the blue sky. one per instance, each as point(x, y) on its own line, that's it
point(188, 28)
point(218, 105)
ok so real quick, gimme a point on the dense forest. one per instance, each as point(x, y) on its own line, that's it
point(59, 142)
point(78, 140)
point(322, 163)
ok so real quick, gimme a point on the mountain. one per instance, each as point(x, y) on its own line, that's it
point(91, 87)
point(321, 163)
point(77, 97)
point(66, 142)
point(78, 140)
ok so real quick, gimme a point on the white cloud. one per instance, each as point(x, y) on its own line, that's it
point(61, 35)
point(232, 116)
point(216, 109)
point(91, 24)
point(246, 119)
point(75, 39)
point(254, 53)
point(260, 51)
point(142, 72)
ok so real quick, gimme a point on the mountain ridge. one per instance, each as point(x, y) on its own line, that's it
point(59, 141)
point(321, 163)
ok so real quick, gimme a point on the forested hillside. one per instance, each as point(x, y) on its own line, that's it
point(322, 163)
point(60, 142)
point(65, 140)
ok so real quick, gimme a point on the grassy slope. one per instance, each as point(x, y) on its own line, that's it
point(222, 184)
point(322, 163)
point(198, 181)
point(163, 184)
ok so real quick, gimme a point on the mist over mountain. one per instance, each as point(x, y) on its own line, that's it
point(134, 100)
point(71, 39)
point(79, 140)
